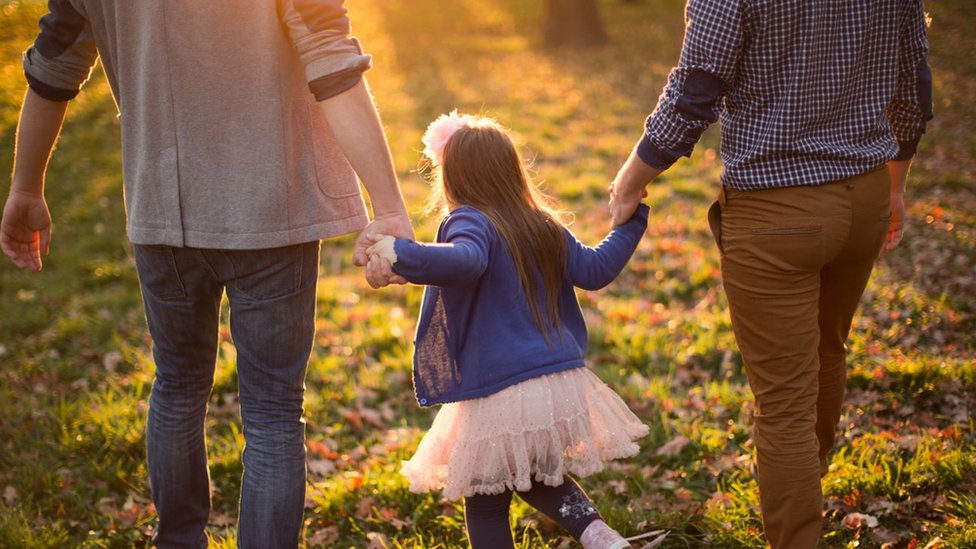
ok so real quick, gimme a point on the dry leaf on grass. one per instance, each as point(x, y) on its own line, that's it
point(674, 447)
point(859, 520)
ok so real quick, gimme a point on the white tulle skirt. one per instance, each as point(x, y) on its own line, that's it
point(539, 429)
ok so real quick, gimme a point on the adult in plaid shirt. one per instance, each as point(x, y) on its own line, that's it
point(822, 106)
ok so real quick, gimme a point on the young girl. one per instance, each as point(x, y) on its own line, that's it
point(500, 343)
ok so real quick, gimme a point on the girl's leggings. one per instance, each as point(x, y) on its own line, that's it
point(487, 515)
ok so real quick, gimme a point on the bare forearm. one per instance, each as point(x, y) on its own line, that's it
point(898, 172)
point(37, 131)
point(356, 125)
point(634, 175)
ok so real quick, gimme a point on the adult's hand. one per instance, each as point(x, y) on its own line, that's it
point(623, 203)
point(898, 174)
point(25, 230)
point(629, 187)
point(896, 228)
point(392, 225)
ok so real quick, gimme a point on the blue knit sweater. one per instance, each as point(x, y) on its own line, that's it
point(476, 334)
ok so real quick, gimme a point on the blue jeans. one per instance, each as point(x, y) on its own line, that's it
point(272, 322)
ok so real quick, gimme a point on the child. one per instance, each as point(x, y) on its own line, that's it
point(500, 343)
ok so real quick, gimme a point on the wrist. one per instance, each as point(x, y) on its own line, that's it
point(385, 211)
point(629, 187)
point(28, 191)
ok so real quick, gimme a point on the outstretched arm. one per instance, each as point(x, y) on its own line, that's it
point(25, 230)
point(458, 258)
point(594, 268)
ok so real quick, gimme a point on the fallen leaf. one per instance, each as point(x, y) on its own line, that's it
point(674, 447)
point(324, 537)
point(108, 507)
point(322, 448)
point(321, 467)
point(9, 495)
point(221, 519)
point(365, 508)
point(859, 520)
point(884, 536)
point(658, 536)
point(618, 486)
point(111, 360)
point(376, 540)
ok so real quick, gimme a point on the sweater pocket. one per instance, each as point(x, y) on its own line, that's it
point(336, 178)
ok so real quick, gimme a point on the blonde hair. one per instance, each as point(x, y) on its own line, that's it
point(482, 168)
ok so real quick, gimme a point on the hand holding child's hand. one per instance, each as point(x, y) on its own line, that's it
point(379, 267)
point(623, 204)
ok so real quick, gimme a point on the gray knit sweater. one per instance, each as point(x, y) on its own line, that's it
point(223, 144)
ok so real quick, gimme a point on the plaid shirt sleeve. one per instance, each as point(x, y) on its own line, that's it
point(714, 34)
point(911, 106)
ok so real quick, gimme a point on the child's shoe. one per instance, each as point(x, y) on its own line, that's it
point(600, 536)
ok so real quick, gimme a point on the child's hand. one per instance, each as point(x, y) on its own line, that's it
point(379, 273)
point(382, 247)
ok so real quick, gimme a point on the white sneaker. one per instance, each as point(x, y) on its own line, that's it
point(600, 536)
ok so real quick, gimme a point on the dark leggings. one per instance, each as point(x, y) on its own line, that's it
point(487, 515)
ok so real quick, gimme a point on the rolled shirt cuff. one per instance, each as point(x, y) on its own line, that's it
point(654, 156)
point(907, 149)
point(332, 85)
point(49, 92)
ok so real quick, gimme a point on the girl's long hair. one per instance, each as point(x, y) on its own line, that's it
point(482, 168)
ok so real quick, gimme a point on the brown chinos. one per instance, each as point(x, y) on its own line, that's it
point(795, 261)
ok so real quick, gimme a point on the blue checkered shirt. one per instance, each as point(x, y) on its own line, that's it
point(808, 91)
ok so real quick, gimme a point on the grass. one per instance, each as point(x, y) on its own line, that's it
point(76, 367)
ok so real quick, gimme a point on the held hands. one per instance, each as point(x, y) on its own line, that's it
point(629, 187)
point(623, 203)
point(395, 224)
point(25, 230)
point(377, 273)
point(379, 266)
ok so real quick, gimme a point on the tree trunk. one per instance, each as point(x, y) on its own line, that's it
point(574, 23)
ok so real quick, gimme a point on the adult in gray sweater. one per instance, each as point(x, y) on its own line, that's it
point(244, 128)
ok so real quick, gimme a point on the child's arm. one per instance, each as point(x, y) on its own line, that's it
point(594, 268)
point(458, 260)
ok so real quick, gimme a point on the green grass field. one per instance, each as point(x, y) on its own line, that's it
point(75, 365)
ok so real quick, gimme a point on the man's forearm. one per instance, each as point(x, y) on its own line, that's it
point(634, 175)
point(356, 125)
point(37, 131)
point(898, 172)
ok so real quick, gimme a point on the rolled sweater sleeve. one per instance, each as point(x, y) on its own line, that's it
point(714, 31)
point(911, 106)
point(594, 268)
point(320, 31)
point(459, 257)
point(62, 57)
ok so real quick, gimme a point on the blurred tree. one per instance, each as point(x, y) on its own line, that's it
point(574, 23)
